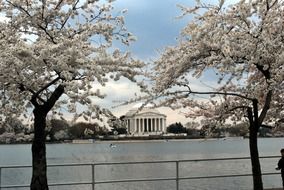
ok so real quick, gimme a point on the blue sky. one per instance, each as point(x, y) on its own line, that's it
point(154, 23)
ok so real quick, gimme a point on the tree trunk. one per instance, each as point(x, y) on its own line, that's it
point(256, 169)
point(39, 178)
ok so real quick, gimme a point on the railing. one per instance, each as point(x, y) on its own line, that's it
point(177, 177)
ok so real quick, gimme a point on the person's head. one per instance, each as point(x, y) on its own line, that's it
point(282, 152)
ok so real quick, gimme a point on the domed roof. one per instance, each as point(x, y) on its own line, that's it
point(147, 108)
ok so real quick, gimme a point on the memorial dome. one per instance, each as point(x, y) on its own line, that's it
point(147, 108)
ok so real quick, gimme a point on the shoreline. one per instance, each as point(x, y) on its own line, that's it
point(137, 140)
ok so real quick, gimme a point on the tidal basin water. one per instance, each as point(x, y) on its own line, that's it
point(147, 151)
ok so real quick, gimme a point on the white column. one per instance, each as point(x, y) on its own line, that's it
point(165, 125)
point(161, 123)
point(151, 124)
point(143, 125)
point(154, 126)
point(147, 123)
point(146, 126)
point(139, 120)
point(157, 129)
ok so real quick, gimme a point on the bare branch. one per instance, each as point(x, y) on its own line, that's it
point(67, 18)
point(19, 7)
point(58, 4)
point(213, 93)
point(97, 16)
point(222, 93)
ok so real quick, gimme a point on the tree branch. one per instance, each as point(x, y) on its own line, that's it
point(221, 93)
point(19, 7)
point(33, 100)
point(255, 114)
point(42, 9)
point(67, 18)
point(264, 109)
point(58, 4)
point(266, 106)
point(97, 16)
point(238, 107)
point(29, 15)
point(48, 85)
point(34, 94)
point(189, 91)
point(265, 73)
point(54, 97)
point(250, 117)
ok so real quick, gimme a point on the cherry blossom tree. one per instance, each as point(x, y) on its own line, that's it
point(243, 44)
point(55, 54)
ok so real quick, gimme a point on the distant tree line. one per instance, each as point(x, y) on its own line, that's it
point(58, 129)
point(14, 130)
point(61, 129)
point(211, 129)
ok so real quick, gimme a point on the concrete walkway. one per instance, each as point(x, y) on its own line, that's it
point(275, 189)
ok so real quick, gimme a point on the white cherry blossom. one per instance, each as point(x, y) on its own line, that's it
point(54, 53)
point(243, 44)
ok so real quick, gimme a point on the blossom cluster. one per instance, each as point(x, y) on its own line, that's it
point(242, 43)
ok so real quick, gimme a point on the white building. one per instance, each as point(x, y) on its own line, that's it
point(146, 121)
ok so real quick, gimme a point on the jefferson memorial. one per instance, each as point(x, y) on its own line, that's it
point(145, 121)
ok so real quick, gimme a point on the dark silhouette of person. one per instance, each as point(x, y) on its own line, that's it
point(280, 166)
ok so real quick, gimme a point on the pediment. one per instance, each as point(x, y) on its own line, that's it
point(150, 114)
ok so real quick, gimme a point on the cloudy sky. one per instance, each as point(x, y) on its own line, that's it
point(155, 24)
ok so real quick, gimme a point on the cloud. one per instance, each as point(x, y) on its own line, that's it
point(123, 90)
point(117, 91)
point(154, 24)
